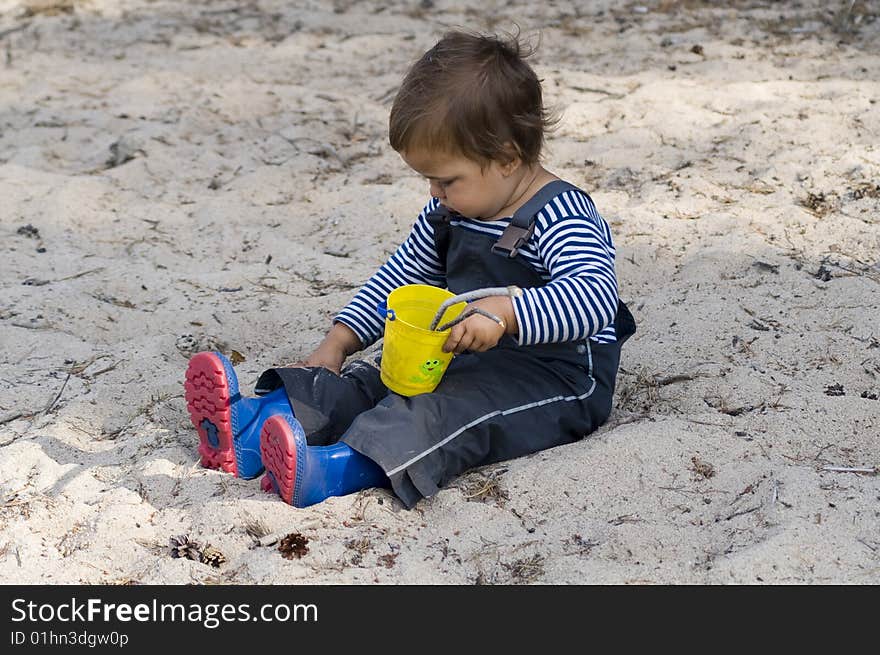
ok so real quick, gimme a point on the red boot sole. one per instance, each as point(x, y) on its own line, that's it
point(207, 399)
point(278, 450)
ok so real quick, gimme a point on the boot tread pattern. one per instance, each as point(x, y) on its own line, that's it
point(207, 396)
point(278, 450)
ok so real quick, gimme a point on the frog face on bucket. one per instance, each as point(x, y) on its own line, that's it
point(429, 373)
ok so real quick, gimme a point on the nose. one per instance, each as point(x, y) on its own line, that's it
point(437, 190)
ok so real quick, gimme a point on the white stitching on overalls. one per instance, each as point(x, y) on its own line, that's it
point(505, 412)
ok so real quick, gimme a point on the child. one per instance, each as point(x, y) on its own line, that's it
point(469, 117)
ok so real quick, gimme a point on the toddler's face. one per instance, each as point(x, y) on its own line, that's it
point(462, 185)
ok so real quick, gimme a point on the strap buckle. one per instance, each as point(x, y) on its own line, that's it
point(512, 239)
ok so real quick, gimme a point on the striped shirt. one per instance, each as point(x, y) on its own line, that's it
point(571, 250)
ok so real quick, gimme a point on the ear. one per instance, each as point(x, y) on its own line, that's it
point(512, 160)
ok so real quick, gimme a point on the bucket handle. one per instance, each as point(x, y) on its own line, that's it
point(467, 314)
point(511, 292)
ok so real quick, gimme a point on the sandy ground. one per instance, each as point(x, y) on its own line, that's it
point(182, 176)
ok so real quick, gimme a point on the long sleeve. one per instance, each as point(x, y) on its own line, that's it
point(573, 244)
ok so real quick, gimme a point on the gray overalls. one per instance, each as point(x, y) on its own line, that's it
point(491, 406)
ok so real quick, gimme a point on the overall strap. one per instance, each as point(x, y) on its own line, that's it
point(522, 225)
point(439, 219)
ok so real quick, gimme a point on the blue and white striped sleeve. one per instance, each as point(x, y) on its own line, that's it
point(414, 262)
point(580, 299)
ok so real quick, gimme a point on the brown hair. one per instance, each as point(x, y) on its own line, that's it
point(474, 95)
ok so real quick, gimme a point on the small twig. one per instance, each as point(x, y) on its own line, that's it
point(698, 422)
point(741, 512)
point(823, 449)
point(39, 326)
point(612, 423)
point(76, 275)
point(672, 379)
point(13, 30)
point(268, 287)
point(851, 469)
point(111, 300)
point(92, 376)
point(853, 271)
point(590, 89)
point(11, 417)
point(61, 391)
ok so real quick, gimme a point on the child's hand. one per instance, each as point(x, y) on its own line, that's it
point(339, 343)
point(325, 357)
point(480, 333)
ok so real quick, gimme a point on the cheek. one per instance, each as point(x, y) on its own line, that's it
point(461, 191)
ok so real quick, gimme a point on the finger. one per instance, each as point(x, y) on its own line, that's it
point(477, 346)
point(465, 343)
point(452, 340)
point(480, 345)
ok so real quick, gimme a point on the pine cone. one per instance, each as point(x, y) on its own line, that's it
point(183, 547)
point(212, 556)
point(293, 545)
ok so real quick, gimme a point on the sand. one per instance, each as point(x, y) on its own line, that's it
point(183, 176)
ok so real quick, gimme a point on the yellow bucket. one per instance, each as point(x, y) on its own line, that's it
point(413, 360)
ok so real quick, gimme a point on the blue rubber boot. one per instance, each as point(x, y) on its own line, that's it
point(304, 475)
point(228, 424)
